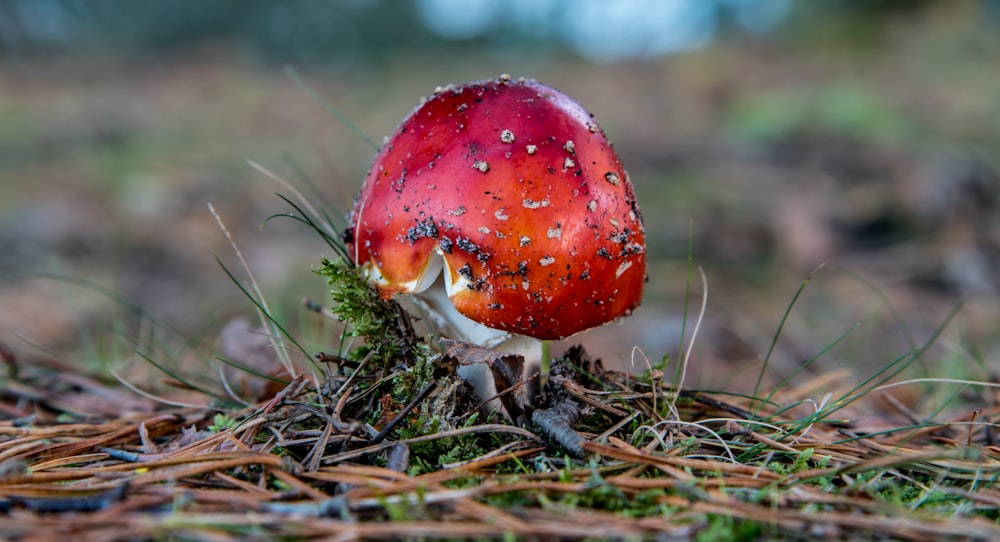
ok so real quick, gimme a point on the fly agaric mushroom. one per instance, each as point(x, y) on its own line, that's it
point(513, 190)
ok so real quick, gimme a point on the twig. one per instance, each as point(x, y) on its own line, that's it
point(403, 413)
point(399, 458)
point(557, 423)
point(56, 505)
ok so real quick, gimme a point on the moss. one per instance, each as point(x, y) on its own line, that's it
point(367, 315)
point(727, 528)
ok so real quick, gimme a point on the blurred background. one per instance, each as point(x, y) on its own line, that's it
point(766, 138)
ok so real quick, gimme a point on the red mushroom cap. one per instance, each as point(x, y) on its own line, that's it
point(521, 193)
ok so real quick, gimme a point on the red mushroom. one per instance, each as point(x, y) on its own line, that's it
point(514, 191)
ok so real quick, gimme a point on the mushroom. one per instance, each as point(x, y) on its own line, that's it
point(513, 191)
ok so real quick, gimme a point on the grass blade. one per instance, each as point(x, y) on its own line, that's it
point(294, 74)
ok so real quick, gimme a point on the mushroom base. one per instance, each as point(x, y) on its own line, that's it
point(450, 323)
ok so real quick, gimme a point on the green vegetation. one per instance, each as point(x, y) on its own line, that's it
point(366, 314)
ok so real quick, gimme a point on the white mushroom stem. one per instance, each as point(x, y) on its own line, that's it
point(454, 325)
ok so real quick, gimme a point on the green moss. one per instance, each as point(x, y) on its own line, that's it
point(367, 315)
point(728, 528)
point(410, 381)
point(221, 422)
